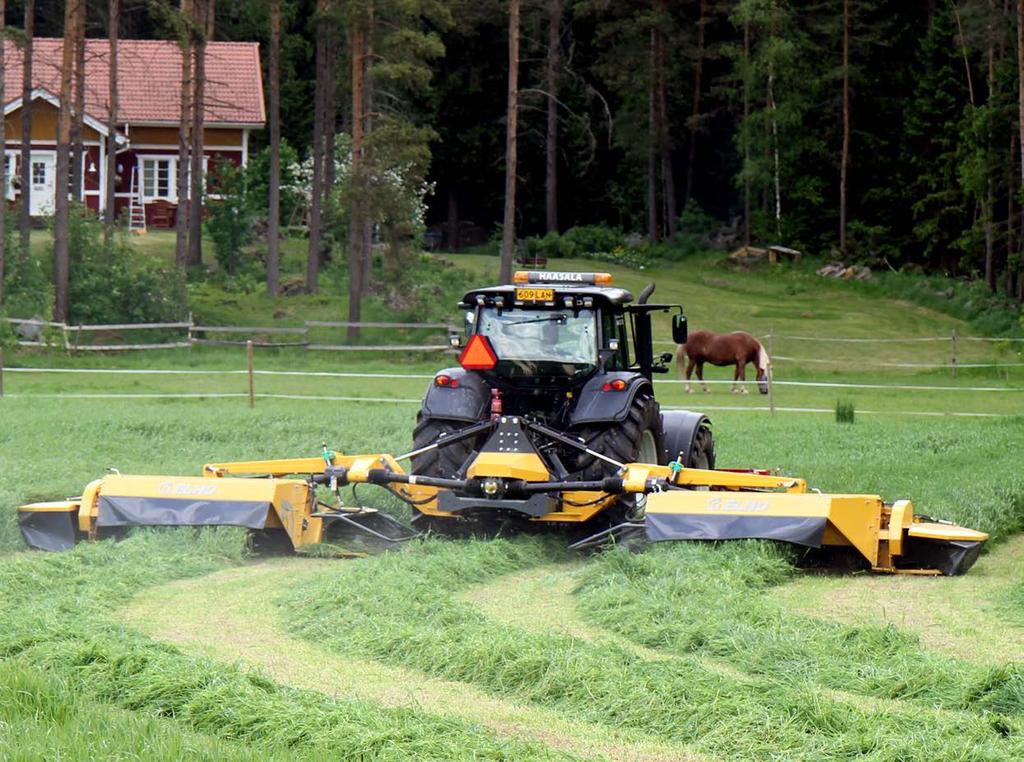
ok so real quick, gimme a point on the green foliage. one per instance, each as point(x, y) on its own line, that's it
point(257, 184)
point(581, 241)
point(935, 126)
point(635, 258)
point(871, 244)
point(988, 313)
point(112, 284)
point(230, 215)
point(237, 213)
point(844, 411)
point(27, 291)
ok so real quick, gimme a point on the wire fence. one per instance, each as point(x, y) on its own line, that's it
point(881, 375)
point(39, 333)
point(249, 376)
point(952, 352)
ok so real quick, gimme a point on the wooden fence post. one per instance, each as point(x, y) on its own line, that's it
point(771, 374)
point(953, 359)
point(252, 395)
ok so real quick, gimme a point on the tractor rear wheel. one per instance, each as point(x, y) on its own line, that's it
point(636, 439)
point(443, 462)
point(703, 455)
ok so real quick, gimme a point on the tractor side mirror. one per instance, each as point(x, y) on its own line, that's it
point(679, 333)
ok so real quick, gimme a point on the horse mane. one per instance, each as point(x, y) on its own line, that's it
point(763, 360)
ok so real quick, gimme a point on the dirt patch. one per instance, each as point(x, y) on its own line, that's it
point(231, 616)
point(958, 616)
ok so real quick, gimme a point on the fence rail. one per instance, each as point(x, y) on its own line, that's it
point(69, 337)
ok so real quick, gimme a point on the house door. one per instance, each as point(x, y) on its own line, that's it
point(43, 170)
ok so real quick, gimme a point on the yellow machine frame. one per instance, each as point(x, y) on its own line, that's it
point(741, 501)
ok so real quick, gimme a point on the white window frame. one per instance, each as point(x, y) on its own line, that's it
point(172, 178)
point(37, 161)
point(12, 158)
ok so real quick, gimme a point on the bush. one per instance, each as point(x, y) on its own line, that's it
point(230, 216)
point(694, 233)
point(27, 288)
point(593, 238)
point(635, 258)
point(112, 284)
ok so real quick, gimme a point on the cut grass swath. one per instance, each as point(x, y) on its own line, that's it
point(711, 600)
point(230, 616)
point(43, 717)
point(401, 609)
point(54, 617)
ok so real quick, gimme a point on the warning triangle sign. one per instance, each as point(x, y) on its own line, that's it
point(478, 354)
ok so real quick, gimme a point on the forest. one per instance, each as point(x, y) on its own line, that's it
point(863, 131)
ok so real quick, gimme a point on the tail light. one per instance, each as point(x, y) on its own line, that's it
point(446, 380)
point(616, 385)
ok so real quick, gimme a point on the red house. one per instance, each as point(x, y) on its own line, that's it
point(149, 90)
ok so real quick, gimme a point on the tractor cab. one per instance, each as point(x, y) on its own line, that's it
point(559, 329)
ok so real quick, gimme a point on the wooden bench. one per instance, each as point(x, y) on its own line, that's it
point(539, 263)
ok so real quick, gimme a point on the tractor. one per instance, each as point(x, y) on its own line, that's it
point(557, 370)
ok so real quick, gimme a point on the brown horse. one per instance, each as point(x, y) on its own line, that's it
point(725, 349)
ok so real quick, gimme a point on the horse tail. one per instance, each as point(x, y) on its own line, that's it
point(681, 359)
point(764, 362)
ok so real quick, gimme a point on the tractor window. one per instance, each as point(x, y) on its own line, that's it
point(614, 327)
point(555, 336)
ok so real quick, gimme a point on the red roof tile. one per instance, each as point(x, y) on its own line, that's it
point(149, 79)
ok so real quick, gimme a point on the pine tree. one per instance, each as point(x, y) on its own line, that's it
point(274, 199)
point(934, 127)
point(110, 170)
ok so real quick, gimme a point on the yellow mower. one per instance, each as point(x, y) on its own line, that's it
point(550, 421)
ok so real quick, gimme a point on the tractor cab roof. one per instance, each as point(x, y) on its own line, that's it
point(578, 285)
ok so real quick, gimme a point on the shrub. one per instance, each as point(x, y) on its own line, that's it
point(635, 258)
point(844, 411)
point(112, 284)
point(230, 216)
point(593, 238)
point(694, 233)
point(27, 289)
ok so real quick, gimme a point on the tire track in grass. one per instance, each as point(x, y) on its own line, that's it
point(955, 616)
point(232, 616)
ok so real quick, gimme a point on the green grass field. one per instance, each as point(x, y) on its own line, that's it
point(177, 644)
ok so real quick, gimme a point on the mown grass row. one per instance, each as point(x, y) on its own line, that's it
point(55, 617)
point(402, 609)
point(43, 717)
point(695, 598)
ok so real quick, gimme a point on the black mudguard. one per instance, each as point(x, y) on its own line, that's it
point(465, 402)
point(681, 427)
point(597, 406)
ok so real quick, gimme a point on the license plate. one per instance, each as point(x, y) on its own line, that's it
point(535, 294)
